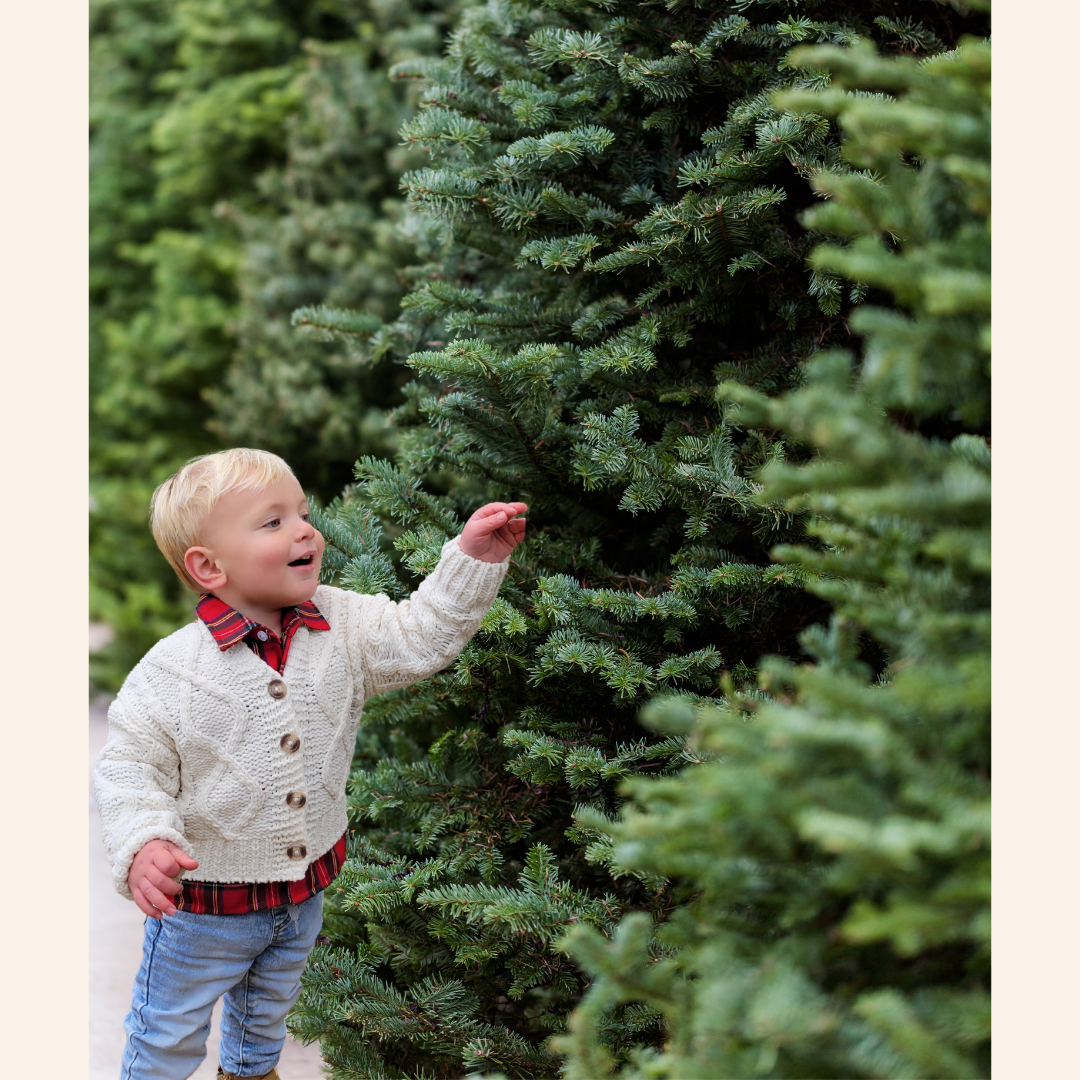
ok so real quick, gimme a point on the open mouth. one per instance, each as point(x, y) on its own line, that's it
point(305, 561)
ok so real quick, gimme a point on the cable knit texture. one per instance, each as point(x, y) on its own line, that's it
point(195, 752)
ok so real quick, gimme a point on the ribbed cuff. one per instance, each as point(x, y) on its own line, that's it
point(461, 575)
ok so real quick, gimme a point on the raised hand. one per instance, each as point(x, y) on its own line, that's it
point(493, 531)
point(152, 877)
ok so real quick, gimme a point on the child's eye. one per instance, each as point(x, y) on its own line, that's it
point(273, 521)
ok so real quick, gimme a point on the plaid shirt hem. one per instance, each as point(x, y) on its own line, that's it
point(213, 898)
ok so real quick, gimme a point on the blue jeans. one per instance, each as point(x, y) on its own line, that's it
point(189, 961)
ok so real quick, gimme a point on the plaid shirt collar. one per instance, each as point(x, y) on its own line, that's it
point(228, 626)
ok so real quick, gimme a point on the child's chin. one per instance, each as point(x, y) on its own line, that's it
point(302, 591)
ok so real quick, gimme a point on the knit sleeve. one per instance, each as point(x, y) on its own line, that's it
point(397, 644)
point(136, 780)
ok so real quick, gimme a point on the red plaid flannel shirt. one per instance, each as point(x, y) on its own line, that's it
point(229, 628)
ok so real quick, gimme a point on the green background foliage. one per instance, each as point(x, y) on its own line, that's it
point(337, 233)
point(244, 161)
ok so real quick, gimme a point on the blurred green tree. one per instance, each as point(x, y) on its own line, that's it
point(131, 43)
point(338, 234)
point(208, 117)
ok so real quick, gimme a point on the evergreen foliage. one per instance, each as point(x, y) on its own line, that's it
point(131, 44)
point(619, 197)
point(335, 232)
point(837, 847)
point(189, 102)
point(239, 168)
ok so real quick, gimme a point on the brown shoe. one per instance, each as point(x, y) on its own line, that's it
point(271, 1075)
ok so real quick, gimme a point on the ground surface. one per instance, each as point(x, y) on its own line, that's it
point(115, 949)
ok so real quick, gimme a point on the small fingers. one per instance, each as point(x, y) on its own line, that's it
point(156, 897)
point(500, 518)
point(171, 861)
point(144, 905)
point(182, 858)
point(496, 508)
point(162, 883)
point(164, 863)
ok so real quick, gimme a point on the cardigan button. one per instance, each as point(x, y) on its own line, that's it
point(290, 743)
point(296, 799)
point(297, 851)
point(277, 689)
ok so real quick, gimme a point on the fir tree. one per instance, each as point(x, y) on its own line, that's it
point(130, 44)
point(619, 195)
point(189, 104)
point(838, 844)
point(336, 232)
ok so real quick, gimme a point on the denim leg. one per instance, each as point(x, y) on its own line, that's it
point(253, 1011)
point(188, 962)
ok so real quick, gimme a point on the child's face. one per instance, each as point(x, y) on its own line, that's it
point(266, 547)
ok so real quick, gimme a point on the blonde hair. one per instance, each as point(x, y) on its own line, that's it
point(181, 504)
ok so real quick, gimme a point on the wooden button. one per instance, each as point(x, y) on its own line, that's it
point(290, 743)
point(297, 851)
point(277, 689)
point(296, 799)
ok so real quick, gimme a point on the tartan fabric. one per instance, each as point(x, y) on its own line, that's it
point(212, 898)
point(229, 627)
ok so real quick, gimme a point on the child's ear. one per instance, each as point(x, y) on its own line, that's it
point(203, 568)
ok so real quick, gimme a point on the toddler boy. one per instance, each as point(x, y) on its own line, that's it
point(230, 745)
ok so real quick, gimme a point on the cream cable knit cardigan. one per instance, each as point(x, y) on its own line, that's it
point(199, 749)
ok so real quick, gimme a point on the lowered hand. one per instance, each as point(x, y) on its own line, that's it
point(152, 878)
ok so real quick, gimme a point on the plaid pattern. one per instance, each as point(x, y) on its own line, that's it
point(211, 898)
point(229, 627)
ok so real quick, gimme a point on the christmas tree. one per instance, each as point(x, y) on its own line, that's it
point(619, 196)
point(130, 44)
point(336, 232)
point(199, 112)
point(837, 847)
